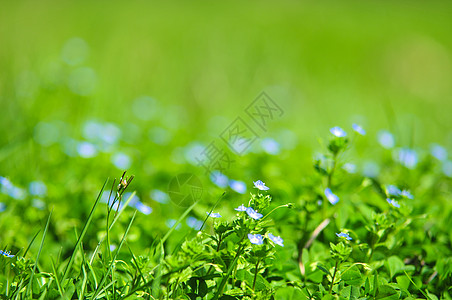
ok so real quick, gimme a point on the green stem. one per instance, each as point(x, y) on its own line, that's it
point(231, 267)
point(255, 274)
point(285, 205)
point(333, 168)
point(334, 275)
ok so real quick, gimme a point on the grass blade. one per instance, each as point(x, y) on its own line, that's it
point(37, 257)
point(84, 230)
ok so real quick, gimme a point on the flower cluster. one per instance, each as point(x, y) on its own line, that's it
point(258, 239)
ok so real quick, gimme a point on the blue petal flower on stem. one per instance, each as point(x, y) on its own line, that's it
point(255, 239)
point(344, 235)
point(276, 239)
point(359, 129)
point(331, 197)
point(438, 152)
point(393, 202)
point(241, 208)
point(214, 215)
point(337, 131)
point(7, 253)
point(253, 214)
point(260, 185)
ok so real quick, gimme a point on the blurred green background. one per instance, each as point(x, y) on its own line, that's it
point(161, 80)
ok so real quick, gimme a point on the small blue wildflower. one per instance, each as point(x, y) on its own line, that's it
point(159, 196)
point(253, 214)
point(2, 207)
point(255, 239)
point(386, 139)
point(438, 152)
point(113, 247)
point(337, 131)
point(214, 215)
point(393, 202)
point(447, 168)
point(260, 185)
point(86, 149)
point(406, 194)
point(219, 179)
point(371, 169)
point(331, 197)
point(344, 235)
point(194, 223)
point(6, 253)
point(121, 160)
point(349, 168)
point(241, 208)
point(408, 158)
point(359, 129)
point(392, 190)
point(37, 188)
point(270, 146)
point(238, 186)
point(171, 222)
point(143, 208)
point(276, 239)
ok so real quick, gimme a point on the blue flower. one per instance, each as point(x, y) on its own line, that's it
point(37, 188)
point(447, 168)
point(276, 239)
point(331, 197)
point(260, 185)
point(219, 179)
point(194, 223)
point(344, 235)
point(393, 202)
point(350, 168)
point(438, 152)
point(255, 239)
point(337, 131)
point(253, 214)
point(406, 194)
point(359, 129)
point(238, 186)
point(214, 215)
point(408, 158)
point(143, 208)
point(6, 253)
point(392, 190)
point(270, 146)
point(386, 139)
point(241, 208)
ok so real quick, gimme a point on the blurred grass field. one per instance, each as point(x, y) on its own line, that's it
point(385, 65)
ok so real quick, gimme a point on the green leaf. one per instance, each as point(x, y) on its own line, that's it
point(352, 277)
point(395, 265)
point(323, 269)
point(350, 292)
point(289, 293)
point(385, 292)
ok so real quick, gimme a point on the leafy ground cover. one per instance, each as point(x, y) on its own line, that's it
point(308, 210)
